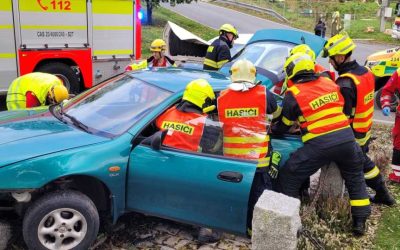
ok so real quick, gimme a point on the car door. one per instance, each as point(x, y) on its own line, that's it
point(190, 187)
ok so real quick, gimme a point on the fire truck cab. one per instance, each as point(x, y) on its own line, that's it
point(83, 42)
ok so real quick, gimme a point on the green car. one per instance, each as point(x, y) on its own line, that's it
point(100, 154)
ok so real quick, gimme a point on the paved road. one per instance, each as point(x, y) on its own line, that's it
point(213, 16)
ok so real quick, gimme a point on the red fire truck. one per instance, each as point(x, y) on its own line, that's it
point(82, 41)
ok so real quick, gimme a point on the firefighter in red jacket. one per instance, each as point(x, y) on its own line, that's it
point(218, 53)
point(242, 110)
point(303, 48)
point(188, 125)
point(316, 104)
point(158, 58)
point(357, 85)
point(388, 91)
point(189, 128)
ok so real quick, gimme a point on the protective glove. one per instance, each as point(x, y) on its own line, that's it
point(274, 165)
point(386, 111)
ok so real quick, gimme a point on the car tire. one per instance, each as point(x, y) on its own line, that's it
point(5, 233)
point(69, 77)
point(61, 220)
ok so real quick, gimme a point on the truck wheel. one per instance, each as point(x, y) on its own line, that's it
point(69, 77)
point(61, 220)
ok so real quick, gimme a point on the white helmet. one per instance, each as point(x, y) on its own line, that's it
point(243, 71)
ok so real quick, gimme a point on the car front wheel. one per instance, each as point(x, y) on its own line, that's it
point(61, 220)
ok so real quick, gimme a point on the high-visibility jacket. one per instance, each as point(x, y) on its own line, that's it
point(184, 129)
point(319, 69)
point(37, 83)
point(151, 62)
point(244, 119)
point(218, 53)
point(361, 118)
point(388, 91)
point(321, 104)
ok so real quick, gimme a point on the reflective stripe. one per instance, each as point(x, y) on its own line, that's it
point(7, 55)
point(277, 112)
point(294, 90)
point(362, 124)
point(395, 167)
point(210, 63)
point(245, 151)
point(310, 136)
point(362, 141)
point(327, 122)
point(301, 119)
point(113, 27)
point(263, 162)
point(254, 139)
point(110, 7)
point(396, 173)
point(221, 63)
point(365, 114)
point(372, 173)
point(287, 122)
point(359, 203)
point(323, 113)
point(6, 26)
point(54, 27)
point(356, 81)
point(112, 52)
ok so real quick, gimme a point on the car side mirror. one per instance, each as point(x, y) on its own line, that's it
point(157, 139)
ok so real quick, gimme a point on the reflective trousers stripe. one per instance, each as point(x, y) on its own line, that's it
point(359, 203)
point(364, 140)
point(372, 173)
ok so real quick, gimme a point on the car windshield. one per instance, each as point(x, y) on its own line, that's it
point(112, 108)
point(269, 55)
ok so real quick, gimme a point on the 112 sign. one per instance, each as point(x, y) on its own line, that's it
point(56, 5)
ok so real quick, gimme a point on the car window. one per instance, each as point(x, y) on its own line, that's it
point(114, 107)
point(269, 55)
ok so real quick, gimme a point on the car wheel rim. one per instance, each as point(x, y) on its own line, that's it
point(62, 228)
point(65, 81)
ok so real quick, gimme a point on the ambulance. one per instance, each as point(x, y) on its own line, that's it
point(83, 42)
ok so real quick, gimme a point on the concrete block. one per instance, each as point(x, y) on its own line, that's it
point(331, 181)
point(276, 221)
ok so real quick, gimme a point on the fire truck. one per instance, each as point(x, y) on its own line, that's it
point(83, 42)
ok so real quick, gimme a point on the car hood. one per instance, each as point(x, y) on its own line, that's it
point(383, 55)
point(33, 136)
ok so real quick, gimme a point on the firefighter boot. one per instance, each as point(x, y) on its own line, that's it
point(395, 175)
point(383, 196)
point(359, 226)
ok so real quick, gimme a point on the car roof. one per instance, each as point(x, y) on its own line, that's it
point(175, 79)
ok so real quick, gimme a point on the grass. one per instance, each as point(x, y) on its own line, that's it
point(387, 236)
point(364, 13)
point(160, 17)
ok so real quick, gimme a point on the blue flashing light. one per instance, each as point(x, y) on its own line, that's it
point(140, 15)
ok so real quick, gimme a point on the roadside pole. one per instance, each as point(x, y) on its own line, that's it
point(385, 3)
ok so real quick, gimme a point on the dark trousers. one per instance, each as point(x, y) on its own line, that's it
point(376, 180)
point(261, 182)
point(306, 160)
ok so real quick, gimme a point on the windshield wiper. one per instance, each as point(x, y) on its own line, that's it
point(74, 121)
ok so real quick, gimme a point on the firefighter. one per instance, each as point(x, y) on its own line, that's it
point(243, 109)
point(34, 90)
point(158, 58)
point(357, 85)
point(218, 53)
point(189, 128)
point(303, 48)
point(316, 104)
point(388, 91)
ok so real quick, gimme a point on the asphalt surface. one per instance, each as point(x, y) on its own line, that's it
point(213, 16)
